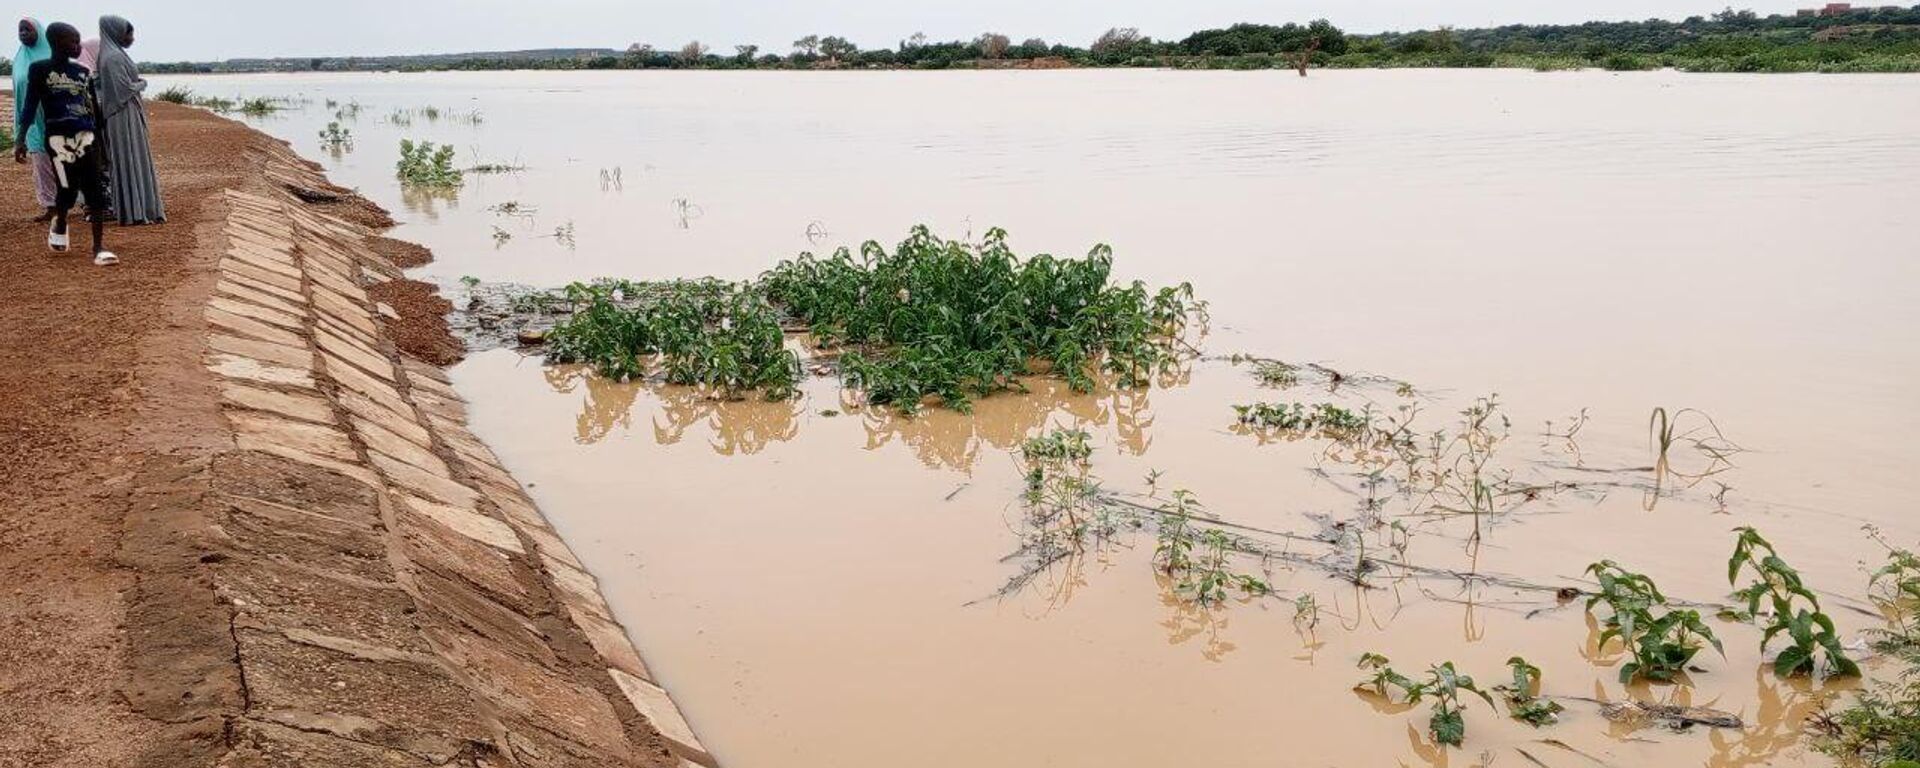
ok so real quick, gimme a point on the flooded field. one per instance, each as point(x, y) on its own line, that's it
point(825, 584)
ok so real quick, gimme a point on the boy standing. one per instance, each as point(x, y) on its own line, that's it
point(61, 91)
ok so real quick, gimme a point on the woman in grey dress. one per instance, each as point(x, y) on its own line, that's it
point(135, 187)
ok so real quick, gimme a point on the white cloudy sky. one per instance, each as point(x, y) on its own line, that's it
point(217, 29)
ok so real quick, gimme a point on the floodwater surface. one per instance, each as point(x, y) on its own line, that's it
point(821, 584)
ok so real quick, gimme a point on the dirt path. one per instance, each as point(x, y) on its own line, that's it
point(238, 527)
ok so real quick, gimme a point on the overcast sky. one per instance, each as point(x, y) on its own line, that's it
point(171, 30)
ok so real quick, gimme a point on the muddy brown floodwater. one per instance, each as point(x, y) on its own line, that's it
point(819, 590)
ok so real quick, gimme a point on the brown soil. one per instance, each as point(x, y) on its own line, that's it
point(173, 600)
point(92, 394)
point(420, 329)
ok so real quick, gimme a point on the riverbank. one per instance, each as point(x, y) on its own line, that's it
point(247, 527)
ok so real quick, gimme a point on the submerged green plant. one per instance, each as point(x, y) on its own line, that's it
point(950, 321)
point(706, 333)
point(1444, 684)
point(429, 166)
point(1661, 640)
point(1325, 419)
point(336, 138)
point(1523, 696)
point(176, 95)
point(1812, 633)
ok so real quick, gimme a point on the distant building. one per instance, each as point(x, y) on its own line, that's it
point(1837, 9)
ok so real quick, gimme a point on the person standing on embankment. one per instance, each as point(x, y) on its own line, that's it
point(32, 134)
point(134, 184)
point(60, 93)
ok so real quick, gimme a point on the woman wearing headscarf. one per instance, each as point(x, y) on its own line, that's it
point(135, 186)
point(90, 54)
point(32, 134)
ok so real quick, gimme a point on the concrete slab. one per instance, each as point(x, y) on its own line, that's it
point(423, 483)
point(293, 296)
point(323, 690)
point(610, 641)
point(292, 357)
point(402, 425)
point(249, 369)
point(308, 407)
point(394, 446)
point(233, 266)
point(232, 289)
point(319, 440)
point(264, 314)
point(653, 704)
point(246, 326)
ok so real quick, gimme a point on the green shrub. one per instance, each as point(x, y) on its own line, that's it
point(703, 333)
point(176, 95)
point(6, 138)
point(1662, 641)
point(1793, 609)
point(948, 320)
point(1444, 684)
point(429, 166)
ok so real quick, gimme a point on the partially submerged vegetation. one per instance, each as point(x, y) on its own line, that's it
point(428, 166)
point(932, 321)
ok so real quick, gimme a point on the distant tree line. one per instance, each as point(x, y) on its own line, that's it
point(1878, 39)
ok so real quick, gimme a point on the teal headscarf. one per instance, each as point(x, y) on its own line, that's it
point(36, 138)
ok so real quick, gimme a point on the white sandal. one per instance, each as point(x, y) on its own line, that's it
point(105, 259)
point(57, 241)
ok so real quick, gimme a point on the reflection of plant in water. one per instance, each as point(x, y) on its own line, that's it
point(737, 428)
point(1779, 585)
point(1443, 684)
point(947, 439)
point(1779, 724)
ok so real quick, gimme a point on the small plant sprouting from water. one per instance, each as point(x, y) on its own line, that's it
point(428, 166)
point(1793, 610)
point(1524, 701)
point(1662, 640)
point(1276, 373)
point(335, 138)
point(1323, 419)
point(1444, 684)
point(177, 94)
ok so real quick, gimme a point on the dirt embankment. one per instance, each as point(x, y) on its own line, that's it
point(244, 523)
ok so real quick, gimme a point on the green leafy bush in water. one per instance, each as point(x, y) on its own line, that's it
point(424, 164)
point(176, 95)
point(1793, 609)
point(1444, 684)
point(698, 333)
point(945, 319)
point(1662, 640)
